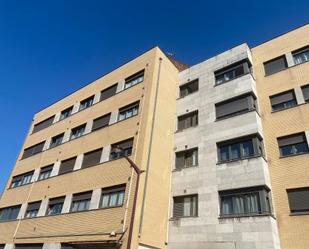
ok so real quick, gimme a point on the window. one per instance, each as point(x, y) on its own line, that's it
point(134, 79)
point(81, 201)
point(67, 165)
point(21, 179)
point(66, 113)
point(55, 206)
point(305, 90)
point(28, 246)
point(241, 148)
point(187, 158)
point(32, 209)
point(301, 55)
point(128, 111)
point(185, 206)
point(86, 103)
point(236, 106)
point(78, 131)
point(35, 149)
point(283, 100)
point(188, 88)
point(293, 144)
point(101, 122)
point(92, 158)
point(2, 246)
point(233, 71)
point(244, 202)
point(44, 124)
point(188, 120)
point(9, 213)
point(112, 197)
point(45, 172)
point(108, 92)
point(55, 141)
point(298, 200)
point(275, 65)
point(121, 149)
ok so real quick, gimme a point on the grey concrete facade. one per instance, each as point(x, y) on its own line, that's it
point(208, 230)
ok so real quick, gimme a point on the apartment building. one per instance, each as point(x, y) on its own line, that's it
point(282, 78)
point(221, 188)
point(85, 158)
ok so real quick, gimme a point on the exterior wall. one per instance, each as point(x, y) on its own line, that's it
point(208, 230)
point(289, 172)
point(151, 137)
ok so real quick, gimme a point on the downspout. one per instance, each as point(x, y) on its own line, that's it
point(150, 148)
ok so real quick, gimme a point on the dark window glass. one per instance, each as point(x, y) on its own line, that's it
point(236, 106)
point(67, 165)
point(298, 200)
point(188, 120)
point(28, 246)
point(112, 197)
point(134, 79)
point(185, 206)
point(108, 92)
point(81, 201)
point(45, 172)
point(55, 206)
point(240, 148)
point(35, 149)
point(92, 158)
point(121, 149)
point(86, 103)
point(293, 144)
point(78, 131)
point(233, 71)
point(56, 140)
point(66, 113)
point(188, 158)
point(283, 100)
point(305, 90)
point(301, 55)
point(128, 111)
point(21, 179)
point(250, 201)
point(275, 65)
point(44, 124)
point(32, 209)
point(9, 213)
point(188, 88)
point(101, 122)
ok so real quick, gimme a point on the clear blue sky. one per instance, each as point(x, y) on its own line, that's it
point(50, 48)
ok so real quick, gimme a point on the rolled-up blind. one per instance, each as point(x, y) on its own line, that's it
point(292, 139)
point(33, 150)
point(282, 97)
point(275, 65)
point(101, 122)
point(305, 90)
point(108, 92)
point(44, 124)
point(34, 206)
point(28, 246)
point(82, 196)
point(180, 160)
point(298, 199)
point(46, 168)
point(178, 209)
point(56, 200)
point(67, 165)
point(134, 76)
point(92, 158)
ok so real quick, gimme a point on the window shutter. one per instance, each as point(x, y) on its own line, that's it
point(292, 139)
point(180, 160)
point(101, 122)
point(28, 246)
point(33, 206)
point(46, 168)
point(125, 144)
point(298, 199)
point(92, 158)
point(82, 196)
point(38, 148)
point(178, 207)
point(2, 246)
point(282, 97)
point(233, 106)
point(181, 123)
point(275, 65)
point(67, 165)
point(44, 124)
point(56, 200)
point(108, 92)
point(134, 76)
point(305, 90)
point(33, 150)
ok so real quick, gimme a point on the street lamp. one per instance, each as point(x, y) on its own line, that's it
point(138, 172)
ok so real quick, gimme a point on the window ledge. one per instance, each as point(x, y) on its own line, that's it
point(245, 216)
point(182, 217)
point(300, 213)
point(240, 159)
point(184, 168)
point(235, 115)
point(216, 85)
point(190, 128)
point(283, 109)
point(187, 95)
point(298, 154)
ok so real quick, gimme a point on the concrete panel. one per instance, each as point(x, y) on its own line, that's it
point(95, 199)
point(67, 204)
point(78, 162)
point(43, 207)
